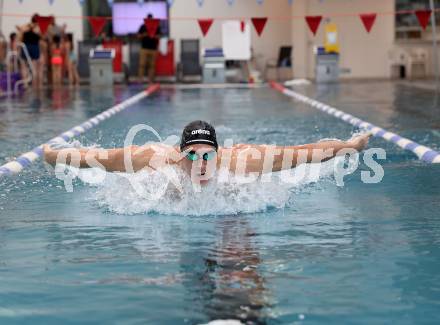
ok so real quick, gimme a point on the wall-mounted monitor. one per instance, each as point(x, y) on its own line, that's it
point(129, 16)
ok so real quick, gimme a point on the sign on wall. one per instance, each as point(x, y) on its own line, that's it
point(236, 40)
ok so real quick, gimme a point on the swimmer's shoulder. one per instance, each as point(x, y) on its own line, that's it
point(158, 149)
point(239, 147)
point(232, 151)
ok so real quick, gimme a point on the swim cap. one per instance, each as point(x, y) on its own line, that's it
point(198, 132)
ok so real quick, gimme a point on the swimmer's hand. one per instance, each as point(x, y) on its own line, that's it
point(360, 142)
point(49, 154)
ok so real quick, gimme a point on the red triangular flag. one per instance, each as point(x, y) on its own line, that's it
point(97, 24)
point(368, 21)
point(152, 24)
point(44, 22)
point(423, 17)
point(205, 25)
point(259, 24)
point(242, 26)
point(313, 22)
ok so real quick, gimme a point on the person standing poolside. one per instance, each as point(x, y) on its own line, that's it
point(14, 64)
point(148, 51)
point(199, 155)
point(30, 35)
point(57, 61)
point(72, 60)
point(54, 33)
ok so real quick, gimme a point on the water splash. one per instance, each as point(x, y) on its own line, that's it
point(119, 192)
point(152, 191)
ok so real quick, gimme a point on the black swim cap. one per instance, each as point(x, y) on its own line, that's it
point(198, 132)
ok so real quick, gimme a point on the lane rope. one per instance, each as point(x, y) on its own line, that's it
point(26, 159)
point(424, 153)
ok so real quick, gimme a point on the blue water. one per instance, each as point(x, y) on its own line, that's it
point(357, 254)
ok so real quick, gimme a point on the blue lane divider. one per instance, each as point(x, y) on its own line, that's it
point(26, 159)
point(424, 153)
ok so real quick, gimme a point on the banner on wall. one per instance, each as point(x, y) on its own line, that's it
point(44, 22)
point(368, 21)
point(313, 23)
point(205, 25)
point(259, 24)
point(423, 17)
point(97, 24)
point(151, 24)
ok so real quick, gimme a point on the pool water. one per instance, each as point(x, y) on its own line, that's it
point(312, 253)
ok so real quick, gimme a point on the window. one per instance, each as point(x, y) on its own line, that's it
point(407, 25)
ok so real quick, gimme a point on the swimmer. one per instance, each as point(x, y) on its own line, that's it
point(200, 156)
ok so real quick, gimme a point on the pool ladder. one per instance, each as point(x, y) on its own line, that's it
point(14, 56)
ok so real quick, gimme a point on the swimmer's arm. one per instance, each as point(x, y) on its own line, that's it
point(265, 159)
point(111, 160)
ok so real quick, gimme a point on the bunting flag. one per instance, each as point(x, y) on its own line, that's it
point(313, 22)
point(97, 24)
point(368, 21)
point(259, 24)
point(151, 24)
point(205, 25)
point(423, 17)
point(44, 22)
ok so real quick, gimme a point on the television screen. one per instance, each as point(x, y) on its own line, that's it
point(129, 16)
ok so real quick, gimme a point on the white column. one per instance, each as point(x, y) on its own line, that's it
point(301, 58)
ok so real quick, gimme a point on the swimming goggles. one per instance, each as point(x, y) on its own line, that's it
point(193, 156)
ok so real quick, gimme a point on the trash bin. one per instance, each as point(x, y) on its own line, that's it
point(214, 66)
point(327, 67)
point(101, 67)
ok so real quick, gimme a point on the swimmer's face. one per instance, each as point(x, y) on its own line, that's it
point(200, 163)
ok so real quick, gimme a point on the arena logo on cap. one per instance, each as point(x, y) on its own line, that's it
point(199, 131)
